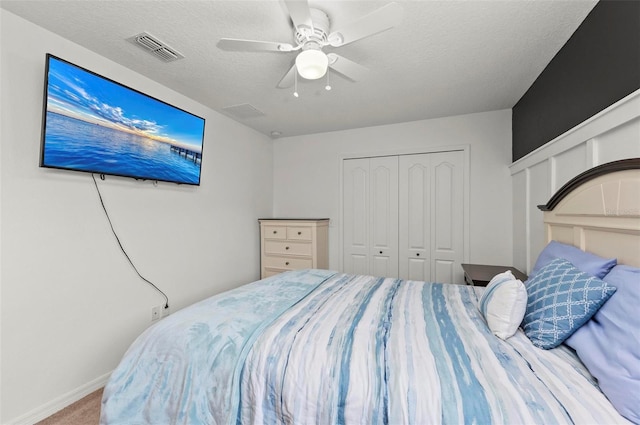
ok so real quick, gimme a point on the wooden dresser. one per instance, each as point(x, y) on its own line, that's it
point(292, 244)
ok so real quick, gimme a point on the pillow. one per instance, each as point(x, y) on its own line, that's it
point(584, 261)
point(503, 304)
point(501, 277)
point(609, 343)
point(561, 298)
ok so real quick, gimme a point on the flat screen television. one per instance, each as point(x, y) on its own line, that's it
point(96, 125)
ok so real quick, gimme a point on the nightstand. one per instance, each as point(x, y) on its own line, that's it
point(481, 274)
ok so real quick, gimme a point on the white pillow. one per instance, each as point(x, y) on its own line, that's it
point(503, 304)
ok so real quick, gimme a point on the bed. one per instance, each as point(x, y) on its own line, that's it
point(323, 347)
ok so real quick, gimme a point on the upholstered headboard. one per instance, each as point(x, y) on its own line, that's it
point(599, 211)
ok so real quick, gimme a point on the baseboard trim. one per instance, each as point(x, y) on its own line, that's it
point(59, 403)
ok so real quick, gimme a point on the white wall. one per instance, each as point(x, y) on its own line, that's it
point(610, 135)
point(71, 304)
point(307, 174)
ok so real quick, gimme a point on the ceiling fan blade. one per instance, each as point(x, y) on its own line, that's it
point(288, 79)
point(300, 14)
point(235, 44)
point(346, 67)
point(377, 21)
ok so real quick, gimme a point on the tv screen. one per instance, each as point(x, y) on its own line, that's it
point(96, 125)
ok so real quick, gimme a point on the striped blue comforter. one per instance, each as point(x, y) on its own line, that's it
point(319, 347)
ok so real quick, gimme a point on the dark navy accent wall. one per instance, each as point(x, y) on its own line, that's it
point(599, 65)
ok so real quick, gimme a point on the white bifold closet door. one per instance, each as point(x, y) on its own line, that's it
point(370, 216)
point(404, 216)
point(431, 210)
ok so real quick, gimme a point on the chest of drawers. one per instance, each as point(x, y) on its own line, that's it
point(292, 244)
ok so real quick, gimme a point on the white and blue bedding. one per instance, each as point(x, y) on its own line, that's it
point(319, 347)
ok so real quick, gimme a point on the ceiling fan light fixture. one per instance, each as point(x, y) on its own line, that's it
point(312, 64)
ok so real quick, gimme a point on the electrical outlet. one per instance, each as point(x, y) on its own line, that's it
point(156, 312)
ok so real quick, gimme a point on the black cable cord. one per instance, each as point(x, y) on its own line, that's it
point(120, 244)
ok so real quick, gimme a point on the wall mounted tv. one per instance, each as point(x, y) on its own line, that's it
point(96, 125)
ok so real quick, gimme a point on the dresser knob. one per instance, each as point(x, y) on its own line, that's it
point(286, 247)
point(286, 264)
point(299, 233)
point(418, 254)
point(275, 232)
point(380, 252)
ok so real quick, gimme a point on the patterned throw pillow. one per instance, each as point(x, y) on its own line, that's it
point(503, 304)
point(561, 298)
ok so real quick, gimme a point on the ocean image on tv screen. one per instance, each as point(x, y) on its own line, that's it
point(96, 125)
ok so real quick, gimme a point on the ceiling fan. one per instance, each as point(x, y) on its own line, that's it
point(312, 33)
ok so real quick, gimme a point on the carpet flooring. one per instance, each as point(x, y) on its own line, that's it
point(85, 411)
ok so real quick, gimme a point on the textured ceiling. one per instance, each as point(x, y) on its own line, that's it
point(445, 58)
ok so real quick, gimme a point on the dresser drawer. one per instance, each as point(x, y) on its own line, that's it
point(275, 232)
point(287, 248)
point(287, 263)
point(299, 233)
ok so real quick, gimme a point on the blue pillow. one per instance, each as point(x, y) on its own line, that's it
point(561, 298)
point(609, 343)
point(584, 261)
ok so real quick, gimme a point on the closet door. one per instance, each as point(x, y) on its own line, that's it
point(384, 216)
point(370, 216)
point(431, 208)
point(415, 217)
point(447, 220)
point(355, 215)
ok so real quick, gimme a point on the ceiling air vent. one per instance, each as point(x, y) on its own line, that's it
point(156, 47)
point(243, 110)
